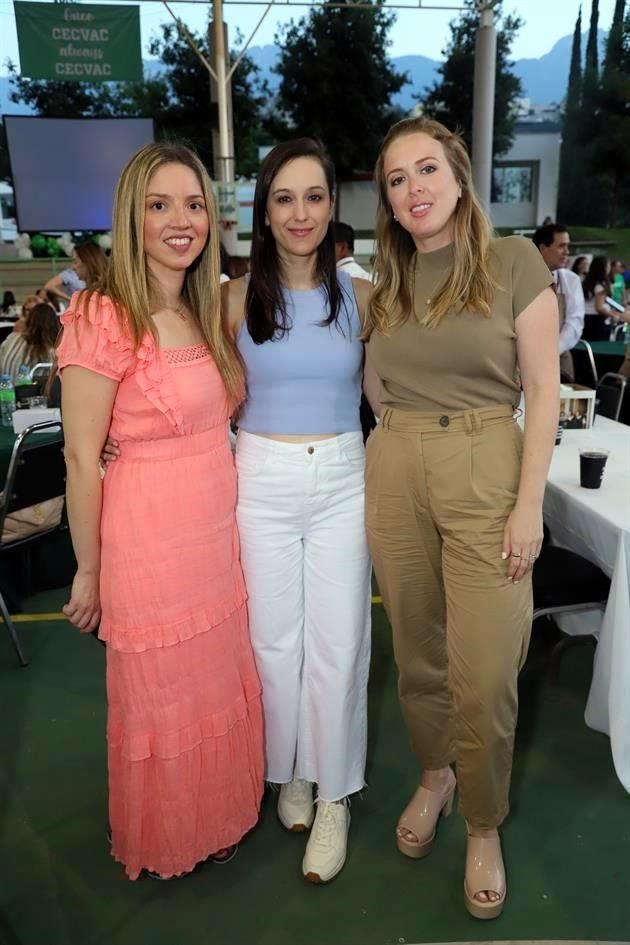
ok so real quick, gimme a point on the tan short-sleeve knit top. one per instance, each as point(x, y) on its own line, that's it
point(468, 360)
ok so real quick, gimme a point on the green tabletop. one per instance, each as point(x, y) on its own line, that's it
point(612, 348)
point(7, 439)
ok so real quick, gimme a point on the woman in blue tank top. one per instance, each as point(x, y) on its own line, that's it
point(300, 463)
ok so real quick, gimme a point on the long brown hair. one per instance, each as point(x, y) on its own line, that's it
point(471, 285)
point(128, 280)
point(41, 328)
point(598, 274)
point(265, 304)
point(93, 264)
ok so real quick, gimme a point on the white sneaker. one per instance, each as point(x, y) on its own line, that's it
point(327, 845)
point(295, 805)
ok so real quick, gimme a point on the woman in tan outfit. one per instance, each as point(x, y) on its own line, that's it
point(454, 489)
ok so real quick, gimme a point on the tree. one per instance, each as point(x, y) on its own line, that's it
point(190, 115)
point(610, 147)
point(450, 100)
point(590, 83)
point(337, 82)
point(177, 98)
point(592, 208)
point(571, 170)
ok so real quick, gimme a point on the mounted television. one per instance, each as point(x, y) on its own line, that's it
point(65, 170)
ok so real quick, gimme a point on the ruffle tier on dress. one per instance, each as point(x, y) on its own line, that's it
point(184, 714)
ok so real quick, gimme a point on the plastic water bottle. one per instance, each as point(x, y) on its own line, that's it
point(7, 401)
point(23, 375)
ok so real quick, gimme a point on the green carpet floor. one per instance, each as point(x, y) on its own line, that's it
point(567, 842)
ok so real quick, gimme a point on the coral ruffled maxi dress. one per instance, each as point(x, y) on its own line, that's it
point(184, 725)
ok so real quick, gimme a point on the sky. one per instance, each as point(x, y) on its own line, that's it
point(416, 32)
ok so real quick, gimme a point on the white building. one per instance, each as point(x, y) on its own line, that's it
point(525, 180)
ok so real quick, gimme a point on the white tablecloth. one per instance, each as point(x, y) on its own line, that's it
point(596, 524)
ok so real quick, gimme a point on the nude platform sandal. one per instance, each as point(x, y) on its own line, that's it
point(484, 871)
point(421, 816)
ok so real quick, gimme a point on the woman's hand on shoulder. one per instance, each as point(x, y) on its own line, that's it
point(362, 292)
point(233, 295)
point(83, 610)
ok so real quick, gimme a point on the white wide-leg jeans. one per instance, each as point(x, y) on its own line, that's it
point(307, 569)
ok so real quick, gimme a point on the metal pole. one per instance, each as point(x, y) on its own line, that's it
point(483, 101)
point(226, 160)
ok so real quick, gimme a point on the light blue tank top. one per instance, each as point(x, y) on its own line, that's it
point(309, 380)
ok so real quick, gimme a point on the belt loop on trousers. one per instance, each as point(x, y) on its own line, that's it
point(386, 418)
point(473, 422)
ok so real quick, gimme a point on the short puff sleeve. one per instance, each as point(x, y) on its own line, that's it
point(530, 273)
point(94, 338)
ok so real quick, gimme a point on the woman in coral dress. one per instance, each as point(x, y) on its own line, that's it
point(156, 541)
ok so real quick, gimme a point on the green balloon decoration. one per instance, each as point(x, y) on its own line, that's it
point(38, 245)
point(53, 247)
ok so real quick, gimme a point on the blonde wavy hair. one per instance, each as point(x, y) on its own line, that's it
point(471, 285)
point(128, 280)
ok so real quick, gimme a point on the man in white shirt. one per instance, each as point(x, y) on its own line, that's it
point(553, 242)
point(344, 248)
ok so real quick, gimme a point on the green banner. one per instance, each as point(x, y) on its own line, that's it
point(79, 42)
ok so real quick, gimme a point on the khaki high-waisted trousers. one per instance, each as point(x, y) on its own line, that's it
point(439, 491)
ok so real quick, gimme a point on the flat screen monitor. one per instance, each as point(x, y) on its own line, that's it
point(65, 170)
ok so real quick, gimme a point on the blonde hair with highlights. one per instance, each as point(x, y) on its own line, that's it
point(471, 285)
point(128, 280)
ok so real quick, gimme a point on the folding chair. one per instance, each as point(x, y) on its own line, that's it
point(39, 375)
point(41, 369)
point(584, 362)
point(609, 395)
point(566, 583)
point(37, 472)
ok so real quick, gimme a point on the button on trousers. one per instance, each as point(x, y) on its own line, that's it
point(301, 517)
point(438, 496)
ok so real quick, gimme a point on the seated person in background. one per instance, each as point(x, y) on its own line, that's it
point(580, 267)
point(344, 249)
point(89, 265)
point(553, 244)
point(9, 307)
point(27, 305)
point(43, 295)
point(33, 344)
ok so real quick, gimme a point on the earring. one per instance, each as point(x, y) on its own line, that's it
point(395, 218)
